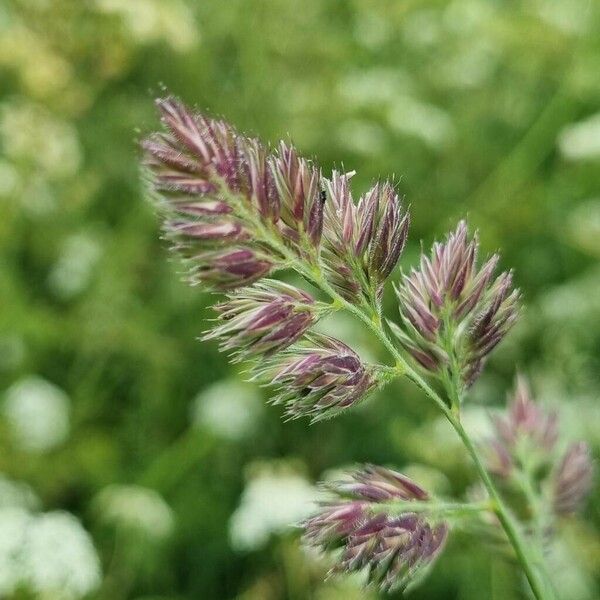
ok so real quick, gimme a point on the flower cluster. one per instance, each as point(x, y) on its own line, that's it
point(454, 313)
point(363, 241)
point(219, 189)
point(318, 377)
point(525, 445)
point(263, 319)
point(393, 547)
point(238, 212)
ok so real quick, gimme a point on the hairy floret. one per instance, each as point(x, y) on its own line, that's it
point(453, 312)
point(395, 545)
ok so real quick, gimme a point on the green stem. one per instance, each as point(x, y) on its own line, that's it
point(539, 587)
point(432, 507)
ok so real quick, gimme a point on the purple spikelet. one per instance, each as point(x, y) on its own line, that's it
point(298, 185)
point(263, 319)
point(363, 241)
point(526, 444)
point(525, 428)
point(393, 547)
point(217, 188)
point(450, 291)
point(318, 378)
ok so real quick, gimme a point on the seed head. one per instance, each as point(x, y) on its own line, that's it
point(453, 311)
point(219, 191)
point(525, 429)
point(319, 377)
point(395, 547)
point(526, 443)
point(363, 242)
point(263, 319)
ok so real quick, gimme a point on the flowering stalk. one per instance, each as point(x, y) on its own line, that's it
point(237, 211)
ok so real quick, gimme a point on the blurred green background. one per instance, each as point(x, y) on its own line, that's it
point(134, 462)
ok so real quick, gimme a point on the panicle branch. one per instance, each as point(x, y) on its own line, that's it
point(525, 454)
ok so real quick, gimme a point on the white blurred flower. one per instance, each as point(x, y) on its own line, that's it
point(38, 414)
point(17, 494)
point(229, 409)
point(572, 17)
point(37, 196)
point(151, 20)
point(470, 66)
point(581, 141)
point(575, 301)
point(374, 87)
point(73, 270)
point(136, 508)
point(49, 555)
point(372, 30)
point(42, 71)
point(467, 17)
point(59, 559)
point(584, 226)
point(422, 28)
point(29, 132)
point(271, 503)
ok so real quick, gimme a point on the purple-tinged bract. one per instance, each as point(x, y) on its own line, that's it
point(363, 241)
point(525, 429)
point(229, 205)
point(573, 479)
point(228, 268)
point(298, 184)
point(525, 447)
point(453, 312)
point(318, 377)
point(263, 319)
point(393, 547)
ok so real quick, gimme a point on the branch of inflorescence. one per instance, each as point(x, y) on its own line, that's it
point(434, 508)
point(313, 273)
point(534, 573)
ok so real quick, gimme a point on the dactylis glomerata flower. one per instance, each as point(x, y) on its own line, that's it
point(318, 377)
point(526, 456)
point(363, 241)
point(238, 212)
point(453, 312)
point(367, 520)
point(225, 196)
point(263, 319)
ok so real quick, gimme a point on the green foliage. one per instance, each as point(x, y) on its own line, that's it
point(488, 110)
